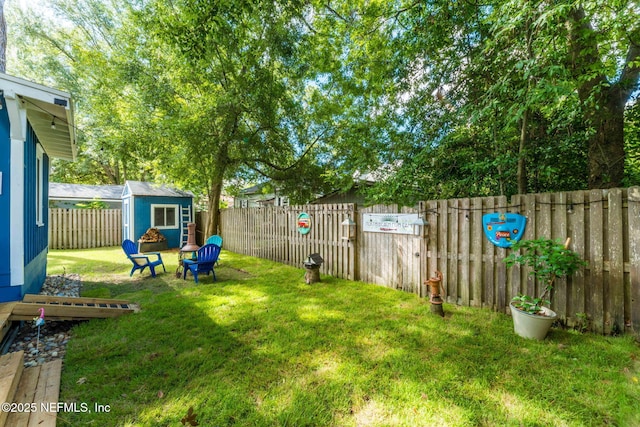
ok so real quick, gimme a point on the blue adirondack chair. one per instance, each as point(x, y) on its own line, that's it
point(214, 240)
point(142, 261)
point(207, 257)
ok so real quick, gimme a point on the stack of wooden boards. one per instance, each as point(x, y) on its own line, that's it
point(30, 394)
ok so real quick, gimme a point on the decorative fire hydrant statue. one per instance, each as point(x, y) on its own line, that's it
point(434, 297)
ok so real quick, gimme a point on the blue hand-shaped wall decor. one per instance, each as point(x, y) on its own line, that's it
point(503, 229)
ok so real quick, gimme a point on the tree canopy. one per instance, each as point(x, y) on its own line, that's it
point(434, 99)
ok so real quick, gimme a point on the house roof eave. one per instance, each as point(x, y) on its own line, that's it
point(50, 112)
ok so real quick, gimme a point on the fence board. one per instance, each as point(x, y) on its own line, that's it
point(432, 261)
point(443, 248)
point(490, 279)
point(559, 224)
point(634, 257)
point(517, 276)
point(596, 260)
point(500, 266)
point(577, 223)
point(463, 253)
point(477, 251)
point(454, 250)
point(616, 261)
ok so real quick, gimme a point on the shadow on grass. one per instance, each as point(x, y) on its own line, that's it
point(145, 367)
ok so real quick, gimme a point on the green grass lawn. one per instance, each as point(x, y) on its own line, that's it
point(259, 347)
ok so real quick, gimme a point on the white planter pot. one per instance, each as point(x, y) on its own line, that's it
point(532, 326)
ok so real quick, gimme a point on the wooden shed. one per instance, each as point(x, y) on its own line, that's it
point(147, 205)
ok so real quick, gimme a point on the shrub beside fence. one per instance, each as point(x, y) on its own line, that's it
point(84, 228)
point(604, 226)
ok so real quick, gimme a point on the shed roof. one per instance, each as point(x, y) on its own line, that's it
point(254, 189)
point(140, 188)
point(62, 191)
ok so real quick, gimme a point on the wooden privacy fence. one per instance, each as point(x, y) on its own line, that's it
point(84, 228)
point(604, 226)
point(271, 233)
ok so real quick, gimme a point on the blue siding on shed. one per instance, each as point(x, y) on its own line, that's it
point(5, 200)
point(142, 216)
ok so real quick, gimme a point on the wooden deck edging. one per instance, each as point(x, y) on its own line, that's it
point(39, 388)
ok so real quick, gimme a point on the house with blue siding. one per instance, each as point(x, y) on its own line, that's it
point(36, 125)
point(146, 205)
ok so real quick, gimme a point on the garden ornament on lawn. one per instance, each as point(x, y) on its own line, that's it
point(39, 321)
point(312, 265)
point(189, 250)
point(434, 297)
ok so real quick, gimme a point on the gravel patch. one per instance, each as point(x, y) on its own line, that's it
point(54, 335)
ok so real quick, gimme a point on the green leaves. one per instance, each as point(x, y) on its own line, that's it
point(547, 260)
point(529, 304)
point(448, 99)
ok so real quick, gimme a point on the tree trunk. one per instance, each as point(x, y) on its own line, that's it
point(524, 130)
point(522, 161)
point(213, 220)
point(215, 191)
point(602, 101)
point(606, 144)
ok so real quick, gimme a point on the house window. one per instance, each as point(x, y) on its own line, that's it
point(164, 216)
point(39, 184)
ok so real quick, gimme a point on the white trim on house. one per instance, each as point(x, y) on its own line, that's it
point(128, 207)
point(16, 216)
point(18, 127)
point(40, 171)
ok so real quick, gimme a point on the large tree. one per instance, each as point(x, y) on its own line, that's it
point(432, 98)
point(191, 93)
point(500, 97)
point(604, 57)
point(80, 46)
point(231, 74)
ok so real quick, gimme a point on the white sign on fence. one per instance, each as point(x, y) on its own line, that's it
point(389, 223)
